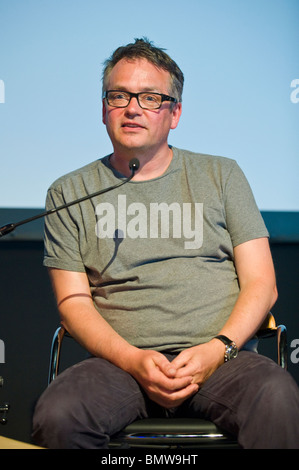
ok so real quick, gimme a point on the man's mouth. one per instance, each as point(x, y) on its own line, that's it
point(132, 125)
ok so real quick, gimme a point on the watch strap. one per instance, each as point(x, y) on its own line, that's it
point(231, 350)
point(224, 339)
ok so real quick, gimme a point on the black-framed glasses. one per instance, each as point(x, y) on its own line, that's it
point(146, 100)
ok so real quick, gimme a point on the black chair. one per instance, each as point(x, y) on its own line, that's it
point(167, 433)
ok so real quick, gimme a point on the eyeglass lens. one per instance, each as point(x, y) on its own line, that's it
point(121, 99)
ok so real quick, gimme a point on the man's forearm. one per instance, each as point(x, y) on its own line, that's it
point(258, 293)
point(83, 321)
point(253, 304)
point(92, 331)
point(87, 326)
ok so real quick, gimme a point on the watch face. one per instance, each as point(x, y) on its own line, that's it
point(231, 352)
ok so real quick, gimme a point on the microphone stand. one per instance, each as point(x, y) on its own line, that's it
point(133, 165)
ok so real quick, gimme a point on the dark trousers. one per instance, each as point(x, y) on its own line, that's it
point(250, 397)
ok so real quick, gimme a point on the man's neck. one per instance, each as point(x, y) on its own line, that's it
point(151, 165)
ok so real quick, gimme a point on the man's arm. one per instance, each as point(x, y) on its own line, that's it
point(90, 329)
point(258, 294)
point(79, 316)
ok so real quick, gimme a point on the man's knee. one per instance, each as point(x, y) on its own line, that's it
point(52, 421)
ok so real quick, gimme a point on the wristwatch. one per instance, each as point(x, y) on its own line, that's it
point(231, 350)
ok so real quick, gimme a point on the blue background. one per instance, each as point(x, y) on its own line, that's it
point(239, 58)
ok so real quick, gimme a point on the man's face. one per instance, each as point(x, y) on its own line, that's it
point(133, 128)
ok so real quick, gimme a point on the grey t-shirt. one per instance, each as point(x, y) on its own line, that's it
point(158, 253)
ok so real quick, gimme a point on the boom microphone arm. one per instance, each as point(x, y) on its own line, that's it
point(133, 165)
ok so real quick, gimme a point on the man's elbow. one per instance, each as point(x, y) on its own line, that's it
point(274, 295)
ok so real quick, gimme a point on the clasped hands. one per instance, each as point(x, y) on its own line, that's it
point(170, 383)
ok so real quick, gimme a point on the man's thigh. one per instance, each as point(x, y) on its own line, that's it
point(94, 398)
point(251, 397)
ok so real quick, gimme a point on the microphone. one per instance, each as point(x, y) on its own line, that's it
point(133, 165)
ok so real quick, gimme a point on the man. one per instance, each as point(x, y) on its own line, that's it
point(148, 275)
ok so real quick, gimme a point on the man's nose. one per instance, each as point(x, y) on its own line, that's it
point(133, 106)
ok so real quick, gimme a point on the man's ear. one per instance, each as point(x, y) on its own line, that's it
point(176, 114)
point(104, 109)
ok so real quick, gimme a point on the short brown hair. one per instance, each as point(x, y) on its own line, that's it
point(144, 49)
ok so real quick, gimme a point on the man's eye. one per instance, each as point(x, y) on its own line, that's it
point(150, 98)
point(118, 96)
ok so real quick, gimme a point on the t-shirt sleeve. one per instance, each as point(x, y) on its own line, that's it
point(61, 240)
point(243, 218)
